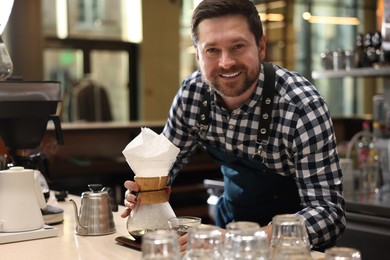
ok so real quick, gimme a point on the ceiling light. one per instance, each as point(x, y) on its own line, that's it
point(62, 19)
point(330, 19)
point(271, 17)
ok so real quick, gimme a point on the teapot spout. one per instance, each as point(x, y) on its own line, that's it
point(79, 226)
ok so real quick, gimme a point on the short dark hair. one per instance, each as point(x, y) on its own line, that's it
point(216, 8)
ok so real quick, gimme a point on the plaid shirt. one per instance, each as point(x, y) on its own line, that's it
point(302, 143)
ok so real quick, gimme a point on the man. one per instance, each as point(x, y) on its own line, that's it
point(268, 127)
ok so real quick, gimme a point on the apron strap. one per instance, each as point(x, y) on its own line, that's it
point(203, 116)
point(266, 104)
point(267, 101)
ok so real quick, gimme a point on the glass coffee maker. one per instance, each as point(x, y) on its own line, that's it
point(153, 209)
point(150, 156)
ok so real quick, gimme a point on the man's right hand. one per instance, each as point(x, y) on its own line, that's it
point(130, 198)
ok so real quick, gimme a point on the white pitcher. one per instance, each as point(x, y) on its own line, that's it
point(20, 201)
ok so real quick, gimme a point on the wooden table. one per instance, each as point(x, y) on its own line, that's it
point(68, 246)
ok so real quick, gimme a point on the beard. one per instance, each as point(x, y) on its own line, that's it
point(237, 87)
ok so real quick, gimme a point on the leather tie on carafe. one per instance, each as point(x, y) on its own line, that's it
point(152, 189)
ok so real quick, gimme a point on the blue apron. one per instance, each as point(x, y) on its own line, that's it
point(252, 192)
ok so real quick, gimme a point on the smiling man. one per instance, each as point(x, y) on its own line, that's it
point(269, 128)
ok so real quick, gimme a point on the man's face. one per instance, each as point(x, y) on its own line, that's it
point(228, 54)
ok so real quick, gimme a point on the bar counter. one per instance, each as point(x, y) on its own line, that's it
point(374, 203)
point(68, 246)
point(368, 223)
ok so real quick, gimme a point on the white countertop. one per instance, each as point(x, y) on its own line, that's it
point(69, 246)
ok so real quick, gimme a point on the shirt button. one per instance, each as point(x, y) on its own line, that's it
point(231, 127)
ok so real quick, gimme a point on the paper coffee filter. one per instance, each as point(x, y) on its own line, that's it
point(150, 154)
point(150, 168)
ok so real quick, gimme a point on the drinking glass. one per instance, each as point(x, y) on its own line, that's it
point(245, 240)
point(161, 245)
point(342, 253)
point(289, 238)
point(204, 243)
point(183, 224)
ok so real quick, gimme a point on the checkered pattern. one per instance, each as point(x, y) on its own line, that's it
point(301, 144)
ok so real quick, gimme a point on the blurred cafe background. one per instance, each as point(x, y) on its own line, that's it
point(120, 63)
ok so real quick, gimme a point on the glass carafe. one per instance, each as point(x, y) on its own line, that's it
point(152, 210)
point(6, 65)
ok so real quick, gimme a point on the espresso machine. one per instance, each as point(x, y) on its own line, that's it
point(25, 110)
